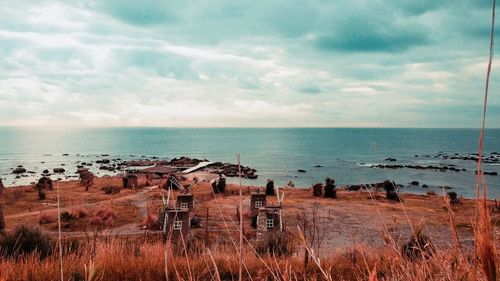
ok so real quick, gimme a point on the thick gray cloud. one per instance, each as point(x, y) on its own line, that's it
point(245, 63)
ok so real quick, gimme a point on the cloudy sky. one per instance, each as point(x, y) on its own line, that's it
point(353, 63)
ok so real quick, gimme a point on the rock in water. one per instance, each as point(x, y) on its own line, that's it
point(19, 170)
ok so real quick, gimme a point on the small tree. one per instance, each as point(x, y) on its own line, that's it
point(270, 187)
point(330, 188)
point(221, 184)
point(318, 190)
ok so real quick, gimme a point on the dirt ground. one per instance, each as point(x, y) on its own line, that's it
point(357, 217)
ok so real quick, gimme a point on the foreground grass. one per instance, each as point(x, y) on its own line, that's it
point(126, 260)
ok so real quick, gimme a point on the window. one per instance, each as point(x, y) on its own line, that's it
point(269, 223)
point(184, 205)
point(258, 204)
point(177, 225)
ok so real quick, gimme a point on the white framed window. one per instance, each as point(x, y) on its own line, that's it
point(177, 225)
point(184, 205)
point(258, 204)
point(269, 223)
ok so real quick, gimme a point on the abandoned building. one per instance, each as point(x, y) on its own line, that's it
point(269, 219)
point(174, 222)
point(185, 201)
point(130, 181)
point(257, 201)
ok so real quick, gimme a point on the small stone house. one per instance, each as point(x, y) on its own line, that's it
point(257, 201)
point(130, 181)
point(185, 201)
point(174, 222)
point(269, 219)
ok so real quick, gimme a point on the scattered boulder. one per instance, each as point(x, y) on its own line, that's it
point(59, 170)
point(415, 183)
point(19, 170)
point(390, 159)
point(318, 166)
point(301, 171)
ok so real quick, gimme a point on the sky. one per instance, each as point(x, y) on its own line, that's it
point(282, 63)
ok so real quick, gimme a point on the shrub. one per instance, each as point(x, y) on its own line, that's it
point(276, 244)
point(221, 184)
point(270, 187)
point(41, 194)
point(195, 222)
point(330, 188)
point(25, 240)
point(390, 190)
point(418, 247)
point(318, 189)
point(67, 216)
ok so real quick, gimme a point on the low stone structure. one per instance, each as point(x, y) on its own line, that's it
point(269, 220)
point(175, 222)
point(257, 201)
point(130, 181)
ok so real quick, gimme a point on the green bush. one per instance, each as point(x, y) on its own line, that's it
point(24, 241)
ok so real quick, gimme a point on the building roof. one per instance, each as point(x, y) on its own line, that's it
point(159, 169)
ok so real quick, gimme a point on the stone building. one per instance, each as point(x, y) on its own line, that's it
point(257, 201)
point(174, 222)
point(269, 219)
point(130, 181)
point(185, 201)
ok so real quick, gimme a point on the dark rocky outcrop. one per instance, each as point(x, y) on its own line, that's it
point(301, 171)
point(19, 170)
point(59, 170)
point(416, 183)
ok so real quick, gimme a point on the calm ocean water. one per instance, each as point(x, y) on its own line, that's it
point(275, 153)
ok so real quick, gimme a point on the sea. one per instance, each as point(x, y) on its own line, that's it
point(348, 155)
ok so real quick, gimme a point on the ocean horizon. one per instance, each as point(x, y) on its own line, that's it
point(349, 155)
